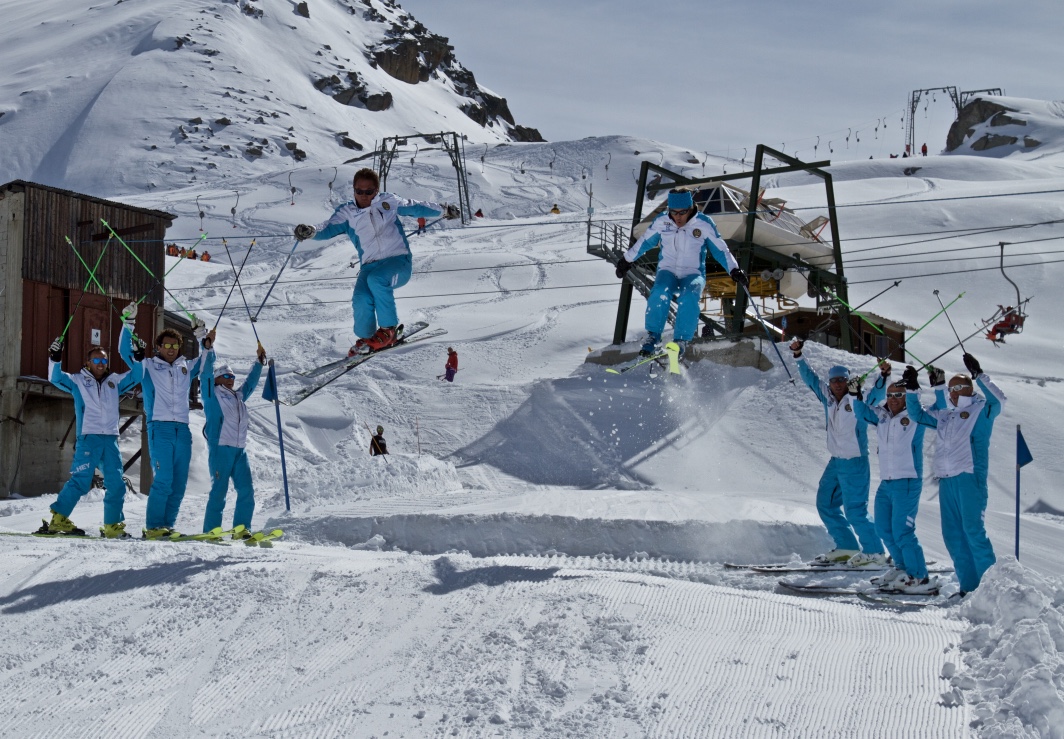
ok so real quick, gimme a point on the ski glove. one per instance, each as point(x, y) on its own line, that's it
point(740, 277)
point(796, 347)
point(138, 349)
point(854, 387)
point(304, 232)
point(973, 365)
point(55, 350)
point(129, 313)
point(910, 378)
point(261, 354)
point(450, 212)
point(199, 330)
point(936, 375)
point(623, 265)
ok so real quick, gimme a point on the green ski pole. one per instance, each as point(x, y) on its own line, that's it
point(148, 270)
point(92, 279)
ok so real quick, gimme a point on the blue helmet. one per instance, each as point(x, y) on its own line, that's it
point(838, 371)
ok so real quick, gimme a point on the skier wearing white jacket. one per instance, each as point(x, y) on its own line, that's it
point(97, 392)
point(842, 494)
point(962, 461)
point(684, 235)
point(166, 383)
point(901, 472)
point(227, 434)
point(372, 223)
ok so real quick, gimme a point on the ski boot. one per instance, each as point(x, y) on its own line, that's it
point(834, 557)
point(683, 348)
point(650, 344)
point(160, 534)
point(60, 524)
point(114, 531)
point(909, 585)
point(385, 337)
point(863, 559)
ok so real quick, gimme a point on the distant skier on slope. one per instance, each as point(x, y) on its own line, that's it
point(842, 495)
point(451, 368)
point(901, 474)
point(684, 235)
point(964, 424)
point(372, 223)
point(97, 393)
point(227, 433)
point(377, 444)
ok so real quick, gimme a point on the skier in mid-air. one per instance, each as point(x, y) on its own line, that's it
point(372, 223)
point(842, 495)
point(684, 235)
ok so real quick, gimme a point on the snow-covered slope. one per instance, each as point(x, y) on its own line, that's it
point(137, 95)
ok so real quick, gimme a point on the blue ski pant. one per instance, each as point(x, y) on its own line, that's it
point(225, 463)
point(170, 446)
point(962, 501)
point(842, 502)
point(688, 293)
point(897, 502)
point(90, 452)
point(373, 302)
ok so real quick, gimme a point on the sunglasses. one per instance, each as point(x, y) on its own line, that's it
point(895, 395)
point(98, 360)
point(680, 212)
point(227, 377)
point(170, 346)
point(958, 388)
point(365, 192)
point(843, 380)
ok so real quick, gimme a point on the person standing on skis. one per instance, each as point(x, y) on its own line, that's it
point(97, 393)
point(842, 494)
point(901, 474)
point(377, 444)
point(372, 223)
point(451, 368)
point(227, 434)
point(684, 235)
point(166, 382)
point(963, 423)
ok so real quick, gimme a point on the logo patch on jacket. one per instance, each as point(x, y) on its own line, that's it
point(965, 414)
point(110, 384)
point(697, 233)
point(849, 408)
point(904, 422)
point(386, 206)
point(184, 370)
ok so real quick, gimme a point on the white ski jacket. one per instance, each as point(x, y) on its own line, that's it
point(376, 231)
point(963, 443)
point(683, 250)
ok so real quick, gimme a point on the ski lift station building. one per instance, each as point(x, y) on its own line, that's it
point(43, 280)
point(786, 257)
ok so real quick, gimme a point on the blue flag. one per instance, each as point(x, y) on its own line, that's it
point(269, 389)
point(1023, 454)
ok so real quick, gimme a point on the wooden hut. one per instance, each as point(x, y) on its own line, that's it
point(44, 280)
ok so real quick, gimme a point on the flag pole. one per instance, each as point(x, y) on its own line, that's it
point(271, 381)
point(1019, 437)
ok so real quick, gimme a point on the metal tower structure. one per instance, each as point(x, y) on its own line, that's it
point(914, 102)
point(455, 148)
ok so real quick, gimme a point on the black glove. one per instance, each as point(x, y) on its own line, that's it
point(796, 347)
point(138, 349)
point(304, 232)
point(936, 376)
point(740, 277)
point(853, 387)
point(55, 350)
point(973, 365)
point(910, 378)
point(622, 268)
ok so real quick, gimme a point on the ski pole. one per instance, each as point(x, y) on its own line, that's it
point(926, 324)
point(236, 284)
point(950, 322)
point(280, 436)
point(763, 326)
point(148, 270)
point(92, 279)
point(165, 275)
point(275, 279)
point(928, 364)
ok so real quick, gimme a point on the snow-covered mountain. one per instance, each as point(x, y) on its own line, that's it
point(139, 95)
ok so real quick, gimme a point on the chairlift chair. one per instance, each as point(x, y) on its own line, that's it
point(1007, 320)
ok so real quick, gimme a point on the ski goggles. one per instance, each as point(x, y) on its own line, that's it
point(98, 360)
point(227, 377)
point(896, 395)
point(959, 388)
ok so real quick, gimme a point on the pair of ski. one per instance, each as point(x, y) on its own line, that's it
point(332, 371)
point(671, 355)
point(869, 593)
point(236, 535)
point(782, 569)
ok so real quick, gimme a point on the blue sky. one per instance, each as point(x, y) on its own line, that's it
point(721, 76)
